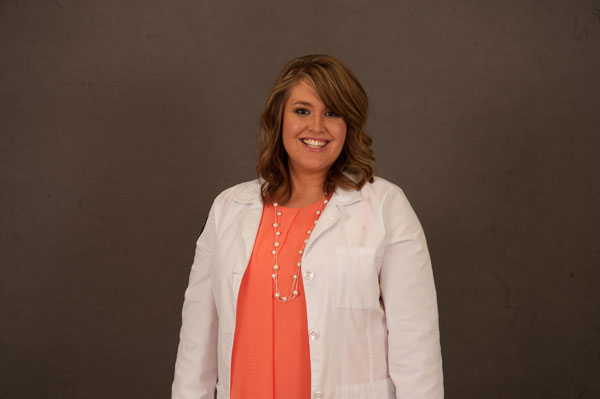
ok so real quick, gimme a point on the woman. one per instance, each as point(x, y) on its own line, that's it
point(313, 281)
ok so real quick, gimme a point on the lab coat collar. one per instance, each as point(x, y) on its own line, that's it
point(250, 195)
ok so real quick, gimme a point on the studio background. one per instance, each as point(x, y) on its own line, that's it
point(121, 121)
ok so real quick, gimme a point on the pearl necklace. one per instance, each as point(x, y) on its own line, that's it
point(294, 290)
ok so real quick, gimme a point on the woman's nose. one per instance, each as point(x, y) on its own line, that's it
point(316, 123)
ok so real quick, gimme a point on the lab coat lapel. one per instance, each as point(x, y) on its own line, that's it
point(332, 212)
point(249, 221)
point(329, 217)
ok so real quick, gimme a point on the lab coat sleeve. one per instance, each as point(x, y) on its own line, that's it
point(409, 297)
point(196, 364)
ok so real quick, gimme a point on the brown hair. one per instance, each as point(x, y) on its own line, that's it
point(341, 92)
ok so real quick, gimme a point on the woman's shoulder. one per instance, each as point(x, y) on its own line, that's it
point(393, 207)
point(245, 192)
point(387, 196)
point(381, 187)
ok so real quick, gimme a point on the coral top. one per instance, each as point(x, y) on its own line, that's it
point(271, 358)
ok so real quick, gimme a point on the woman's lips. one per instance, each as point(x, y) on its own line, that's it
point(314, 146)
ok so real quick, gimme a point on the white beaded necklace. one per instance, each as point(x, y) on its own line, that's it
point(294, 290)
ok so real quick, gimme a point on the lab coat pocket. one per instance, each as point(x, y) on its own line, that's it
point(357, 284)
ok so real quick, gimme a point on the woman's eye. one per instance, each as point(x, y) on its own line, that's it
point(331, 113)
point(301, 111)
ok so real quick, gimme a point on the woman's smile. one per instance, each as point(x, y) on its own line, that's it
point(314, 144)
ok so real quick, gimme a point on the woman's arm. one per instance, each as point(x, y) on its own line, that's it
point(196, 365)
point(409, 297)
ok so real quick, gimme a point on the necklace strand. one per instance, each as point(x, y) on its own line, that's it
point(294, 292)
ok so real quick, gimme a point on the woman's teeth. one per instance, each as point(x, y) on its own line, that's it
point(314, 143)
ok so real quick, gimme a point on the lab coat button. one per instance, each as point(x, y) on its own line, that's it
point(309, 275)
point(317, 395)
point(314, 335)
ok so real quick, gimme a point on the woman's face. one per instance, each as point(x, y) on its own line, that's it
point(313, 135)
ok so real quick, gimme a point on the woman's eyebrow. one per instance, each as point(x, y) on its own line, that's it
point(302, 103)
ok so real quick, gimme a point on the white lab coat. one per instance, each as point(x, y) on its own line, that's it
point(370, 298)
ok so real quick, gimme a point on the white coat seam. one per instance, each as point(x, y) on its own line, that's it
point(370, 347)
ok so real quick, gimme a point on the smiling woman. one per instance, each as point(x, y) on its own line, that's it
point(314, 280)
point(313, 137)
point(315, 98)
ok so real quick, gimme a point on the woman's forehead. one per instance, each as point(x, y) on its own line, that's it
point(303, 93)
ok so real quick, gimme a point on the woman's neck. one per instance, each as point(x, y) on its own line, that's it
point(306, 189)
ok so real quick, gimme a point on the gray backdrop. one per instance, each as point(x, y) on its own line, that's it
point(121, 120)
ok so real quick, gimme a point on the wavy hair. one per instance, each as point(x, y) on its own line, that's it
point(341, 92)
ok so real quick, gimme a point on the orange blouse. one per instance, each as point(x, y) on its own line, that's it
point(271, 358)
